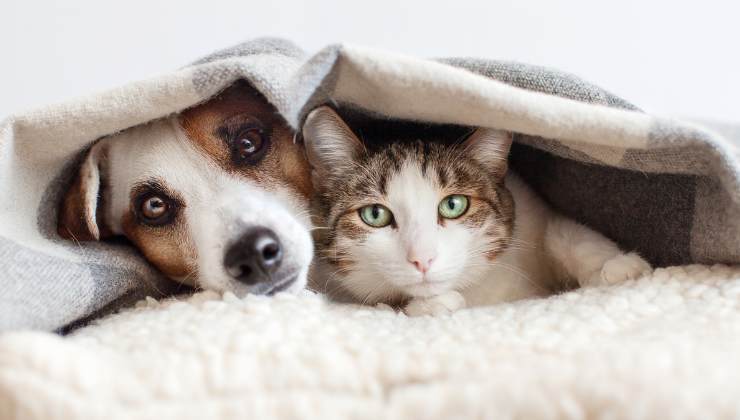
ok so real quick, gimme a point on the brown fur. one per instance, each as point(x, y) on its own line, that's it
point(285, 161)
point(454, 169)
point(76, 221)
point(169, 247)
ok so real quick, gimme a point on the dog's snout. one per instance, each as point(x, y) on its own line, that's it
point(254, 257)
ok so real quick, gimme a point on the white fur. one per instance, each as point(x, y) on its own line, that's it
point(547, 249)
point(383, 262)
point(443, 303)
point(218, 205)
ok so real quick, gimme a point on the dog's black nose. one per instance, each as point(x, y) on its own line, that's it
point(254, 257)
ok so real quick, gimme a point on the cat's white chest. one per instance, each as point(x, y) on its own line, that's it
point(547, 251)
point(524, 269)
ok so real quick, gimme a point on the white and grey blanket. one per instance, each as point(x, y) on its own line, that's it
point(666, 188)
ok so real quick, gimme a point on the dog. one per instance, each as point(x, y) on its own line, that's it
point(216, 197)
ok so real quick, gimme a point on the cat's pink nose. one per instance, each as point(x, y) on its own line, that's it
point(422, 264)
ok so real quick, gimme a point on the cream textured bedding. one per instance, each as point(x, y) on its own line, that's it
point(661, 347)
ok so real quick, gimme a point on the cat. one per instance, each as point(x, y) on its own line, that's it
point(435, 225)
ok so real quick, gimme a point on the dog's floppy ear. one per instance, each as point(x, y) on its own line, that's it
point(490, 147)
point(79, 215)
point(330, 145)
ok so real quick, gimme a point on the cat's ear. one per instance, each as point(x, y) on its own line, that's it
point(490, 147)
point(330, 144)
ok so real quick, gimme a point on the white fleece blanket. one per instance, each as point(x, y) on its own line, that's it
point(661, 347)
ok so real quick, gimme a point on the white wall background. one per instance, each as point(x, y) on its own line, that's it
point(668, 56)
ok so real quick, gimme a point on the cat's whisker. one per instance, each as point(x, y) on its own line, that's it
point(331, 291)
point(373, 291)
point(410, 176)
point(332, 277)
point(517, 272)
point(518, 242)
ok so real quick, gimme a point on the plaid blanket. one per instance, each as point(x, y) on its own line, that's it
point(666, 188)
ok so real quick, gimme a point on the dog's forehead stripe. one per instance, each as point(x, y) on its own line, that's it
point(184, 156)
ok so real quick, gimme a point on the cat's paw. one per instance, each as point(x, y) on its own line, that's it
point(384, 307)
point(435, 305)
point(619, 269)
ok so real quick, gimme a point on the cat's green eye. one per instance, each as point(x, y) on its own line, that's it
point(376, 215)
point(453, 206)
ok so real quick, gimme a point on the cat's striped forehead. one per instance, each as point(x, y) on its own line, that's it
point(408, 171)
point(444, 166)
point(411, 179)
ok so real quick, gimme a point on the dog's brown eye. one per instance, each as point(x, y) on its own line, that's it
point(247, 145)
point(154, 208)
point(247, 138)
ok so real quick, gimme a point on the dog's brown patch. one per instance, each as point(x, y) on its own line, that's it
point(168, 247)
point(81, 215)
point(75, 221)
point(285, 162)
